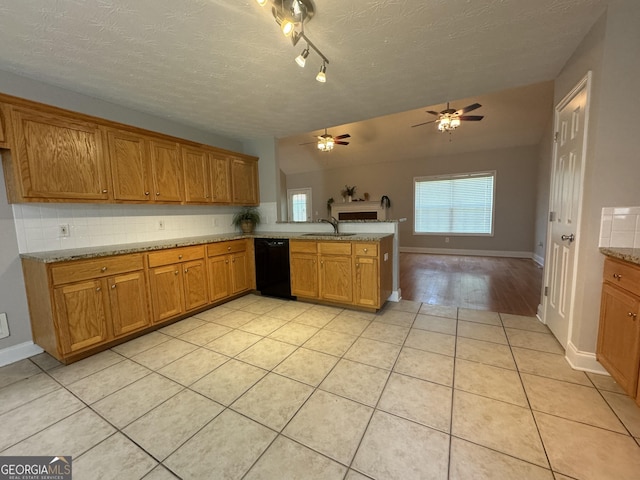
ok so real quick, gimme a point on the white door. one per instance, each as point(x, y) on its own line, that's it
point(567, 173)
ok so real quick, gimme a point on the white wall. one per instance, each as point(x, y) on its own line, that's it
point(611, 50)
point(515, 194)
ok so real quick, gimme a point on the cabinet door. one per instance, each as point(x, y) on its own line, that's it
point(195, 284)
point(128, 301)
point(196, 175)
point(59, 157)
point(219, 277)
point(304, 275)
point(129, 166)
point(240, 278)
point(81, 316)
point(166, 292)
point(166, 165)
point(619, 337)
point(366, 286)
point(220, 169)
point(244, 174)
point(336, 278)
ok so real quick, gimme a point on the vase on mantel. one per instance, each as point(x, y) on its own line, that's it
point(349, 198)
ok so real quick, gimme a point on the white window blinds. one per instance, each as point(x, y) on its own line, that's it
point(455, 204)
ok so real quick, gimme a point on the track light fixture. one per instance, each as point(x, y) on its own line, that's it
point(302, 58)
point(291, 15)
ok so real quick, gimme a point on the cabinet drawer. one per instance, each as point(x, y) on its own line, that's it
point(366, 249)
point(622, 275)
point(100, 267)
point(334, 248)
point(221, 248)
point(303, 247)
point(175, 255)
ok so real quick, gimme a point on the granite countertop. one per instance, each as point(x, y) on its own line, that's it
point(107, 250)
point(631, 255)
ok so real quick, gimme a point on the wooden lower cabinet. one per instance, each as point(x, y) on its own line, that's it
point(230, 267)
point(128, 303)
point(349, 273)
point(177, 288)
point(618, 347)
point(81, 315)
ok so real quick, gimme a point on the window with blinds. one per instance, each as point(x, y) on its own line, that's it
point(461, 204)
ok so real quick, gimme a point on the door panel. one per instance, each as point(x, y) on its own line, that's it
point(336, 278)
point(129, 166)
point(219, 281)
point(128, 301)
point(564, 210)
point(195, 284)
point(167, 171)
point(166, 292)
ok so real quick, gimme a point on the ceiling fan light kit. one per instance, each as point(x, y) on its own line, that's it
point(291, 15)
point(450, 119)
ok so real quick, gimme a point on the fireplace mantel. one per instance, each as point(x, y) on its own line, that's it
point(358, 211)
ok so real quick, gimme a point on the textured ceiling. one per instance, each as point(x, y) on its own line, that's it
point(223, 65)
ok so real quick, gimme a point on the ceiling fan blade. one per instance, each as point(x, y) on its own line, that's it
point(341, 143)
point(472, 118)
point(424, 123)
point(467, 109)
point(433, 113)
point(346, 135)
point(308, 143)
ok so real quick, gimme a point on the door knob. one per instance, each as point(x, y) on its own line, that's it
point(571, 237)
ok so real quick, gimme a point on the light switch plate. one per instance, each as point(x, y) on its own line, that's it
point(4, 326)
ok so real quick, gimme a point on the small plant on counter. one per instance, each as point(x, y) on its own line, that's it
point(246, 218)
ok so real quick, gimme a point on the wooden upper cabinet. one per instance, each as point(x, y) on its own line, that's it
point(129, 160)
point(244, 174)
point(220, 170)
point(166, 167)
point(3, 128)
point(58, 157)
point(196, 174)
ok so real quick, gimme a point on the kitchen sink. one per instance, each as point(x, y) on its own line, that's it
point(327, 234)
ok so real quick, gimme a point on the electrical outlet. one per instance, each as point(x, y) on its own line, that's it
point(446, 239)
point(4, 326)
point(160, 224)
point(63, 230)
point(215, 221)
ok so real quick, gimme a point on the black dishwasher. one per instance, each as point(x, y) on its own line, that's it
point(272, 267)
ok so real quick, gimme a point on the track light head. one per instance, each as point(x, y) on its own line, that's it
point(302, 58)
point(322, 74)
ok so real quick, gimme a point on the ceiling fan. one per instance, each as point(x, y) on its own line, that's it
point(449, 119)
point(326, 142)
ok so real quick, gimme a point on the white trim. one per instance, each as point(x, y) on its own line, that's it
point(395, 296)
point(18, 352)
point(473, 253)
point(538, 259)
point(359, 207)
point(584, 361)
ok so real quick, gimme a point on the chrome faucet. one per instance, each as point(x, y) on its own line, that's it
point(333, 222)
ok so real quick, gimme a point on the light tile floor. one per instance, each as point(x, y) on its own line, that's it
point(262, 388)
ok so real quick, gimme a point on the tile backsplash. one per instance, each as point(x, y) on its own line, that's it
point(620, 227)
point(92, 225)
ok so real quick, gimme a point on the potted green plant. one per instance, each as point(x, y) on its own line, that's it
point(246, 218)
point(348, 192)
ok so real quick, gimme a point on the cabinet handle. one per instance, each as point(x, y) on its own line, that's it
point(104, 269)
point(104, 190)
point(179, 257)
point(177, 272)
point(157, 194)
point(617, 276)
point(98, 289)
point(113, 286)
point(228, 248)
point(146, 193)
point(366, 250)
point(632, 315)
point(186, 270)
point(226, 261)
point(234, 260)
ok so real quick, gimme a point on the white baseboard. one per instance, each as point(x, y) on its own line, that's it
point(538, 259)
point(18, 352)
point(585, 361)
point(540, 313)
point(473, 253)
point(395, 296)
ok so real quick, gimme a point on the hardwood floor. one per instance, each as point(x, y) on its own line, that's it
point(506, 285)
